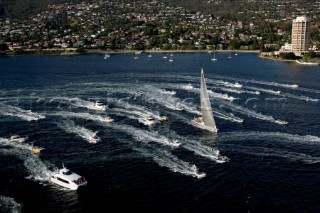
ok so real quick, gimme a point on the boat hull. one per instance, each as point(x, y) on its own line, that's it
point(71, 186)
point(203, 126)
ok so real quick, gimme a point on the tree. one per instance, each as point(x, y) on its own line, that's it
point(289, 55)
point(3, 47)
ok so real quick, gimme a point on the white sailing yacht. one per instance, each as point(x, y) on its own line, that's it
point(206, 121)
point(214, 56)
point(107, 55)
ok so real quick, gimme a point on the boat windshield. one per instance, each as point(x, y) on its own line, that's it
point(67, 173)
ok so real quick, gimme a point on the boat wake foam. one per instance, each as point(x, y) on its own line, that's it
point(146, 136)
point(36, 168)
point(13, 111)
point(166, 159)
point(8, 204)
point(70, 127)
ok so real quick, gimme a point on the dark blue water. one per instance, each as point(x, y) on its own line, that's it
point(273, 167)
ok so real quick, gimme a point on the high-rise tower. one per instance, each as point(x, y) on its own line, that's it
point(300, 34)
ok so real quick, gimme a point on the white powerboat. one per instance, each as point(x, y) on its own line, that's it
point(16, 138)
point(150, 120)
point(94, 140)
point(175, 143)
point(68, 179)
point(237, 85)
point(168, 92)
point(98, 105)
point(108, 119)
point(222, 159)
point(188, 86)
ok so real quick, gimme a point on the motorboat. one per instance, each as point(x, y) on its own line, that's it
point(175, 143)
point(188, 86)
point(93, 140)
point(98, 105)
point(107, 119)
point(200, 175)
point(180, 108)
point(150, 120)
point(164, 118)
point(36, 150)
point(237, 85)
point(16, 138)
point(68, 179)
point(168, 92)
point(222, 159)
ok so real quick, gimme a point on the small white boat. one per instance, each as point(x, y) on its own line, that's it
point(175, 143)
point(222, 159)
point(98, 105)
point(168, 92)
point(108, 119)
point(200, 175)
point(68, 179)
point(150, 120)
point(180, 108)
point(188, 87)
point(16, 138)
point(107, 55)
point(93, 140)
point(237, 85)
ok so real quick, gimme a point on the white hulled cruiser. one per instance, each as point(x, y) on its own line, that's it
point(68, 179)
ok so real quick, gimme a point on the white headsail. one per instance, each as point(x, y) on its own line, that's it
point(206, 109)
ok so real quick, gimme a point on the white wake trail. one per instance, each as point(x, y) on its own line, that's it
point(36, 168)
point(146, 136)
point(13, 111)
point(70, 127)
point(166, 159)
point(251, 113)
point(8, 204)
point(201, 150)
point(75, 102)
point(81, 115)
point(280, 153)
point(275, 136)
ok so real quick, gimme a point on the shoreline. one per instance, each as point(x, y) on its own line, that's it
point(72, 51)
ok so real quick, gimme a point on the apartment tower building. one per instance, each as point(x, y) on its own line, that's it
point(300, 34)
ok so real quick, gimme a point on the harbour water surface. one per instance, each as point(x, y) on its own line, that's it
point(274, 153)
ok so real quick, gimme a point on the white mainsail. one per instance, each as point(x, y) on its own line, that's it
point(206, 109)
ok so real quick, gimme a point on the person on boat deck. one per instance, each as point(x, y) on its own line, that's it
point(199, 120)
